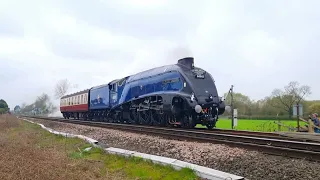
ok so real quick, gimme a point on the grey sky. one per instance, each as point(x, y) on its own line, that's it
point(255, 45)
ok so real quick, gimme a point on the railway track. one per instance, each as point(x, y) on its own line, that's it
point(270, 143)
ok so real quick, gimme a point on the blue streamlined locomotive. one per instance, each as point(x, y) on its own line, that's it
point(179, 94)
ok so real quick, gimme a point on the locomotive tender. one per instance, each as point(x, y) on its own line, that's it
point(171, 95)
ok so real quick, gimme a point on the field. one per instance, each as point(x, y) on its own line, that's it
point(257, 125)
point(29, 152)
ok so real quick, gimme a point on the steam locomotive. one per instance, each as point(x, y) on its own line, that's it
point(172, 95)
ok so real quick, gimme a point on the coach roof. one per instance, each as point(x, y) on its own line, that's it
point(74, 94)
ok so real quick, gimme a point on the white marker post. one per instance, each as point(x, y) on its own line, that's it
point(235, 118)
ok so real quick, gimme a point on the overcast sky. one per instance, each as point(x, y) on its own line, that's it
point(253, 44)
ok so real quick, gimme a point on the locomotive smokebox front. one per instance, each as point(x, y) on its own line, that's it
point(187, 62)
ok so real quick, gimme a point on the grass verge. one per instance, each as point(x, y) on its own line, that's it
point(29, 152)
point(256, 125)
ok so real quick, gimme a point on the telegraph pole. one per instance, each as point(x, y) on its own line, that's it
point(232, 109)
point(298, 116)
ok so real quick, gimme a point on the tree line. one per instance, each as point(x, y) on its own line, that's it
point(278, 105)
point(41, 106)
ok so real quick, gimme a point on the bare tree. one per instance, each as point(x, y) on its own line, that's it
point(292, 94)
point(63, 87)
point(42, 105)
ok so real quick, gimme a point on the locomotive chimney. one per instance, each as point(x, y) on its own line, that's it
point(187, 62)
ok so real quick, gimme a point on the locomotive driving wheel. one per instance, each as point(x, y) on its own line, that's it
point(159, 119)
point(188, 122)
point(133, 117)
point(144, 117)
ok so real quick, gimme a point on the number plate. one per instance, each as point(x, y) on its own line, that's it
point(200, 76)
point(199, 73)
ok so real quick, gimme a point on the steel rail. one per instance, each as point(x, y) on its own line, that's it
point(270, 145)
point(251, 133)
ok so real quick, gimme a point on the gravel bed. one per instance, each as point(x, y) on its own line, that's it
point(238, 161)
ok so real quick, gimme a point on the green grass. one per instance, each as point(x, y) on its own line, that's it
point(257, 125)
point(130, 167)
point(135, 166)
